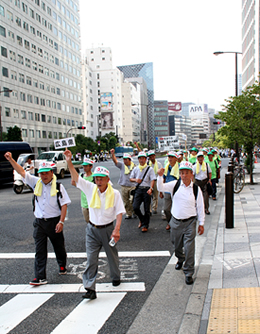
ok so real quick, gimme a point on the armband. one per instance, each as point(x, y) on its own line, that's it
point(61, 222)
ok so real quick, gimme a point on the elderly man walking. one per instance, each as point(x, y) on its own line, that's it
point(126, 168)
point(144, 177)
point(187, 208)
point(105, 205)
point(50, 206)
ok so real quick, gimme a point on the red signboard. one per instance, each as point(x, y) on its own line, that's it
point(174, 106)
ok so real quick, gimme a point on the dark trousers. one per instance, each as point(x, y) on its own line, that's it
point(203, 186)
point(44, 229)
point(140, 197)
point(214, 187)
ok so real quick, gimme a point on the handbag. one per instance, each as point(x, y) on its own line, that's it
point(132, 192)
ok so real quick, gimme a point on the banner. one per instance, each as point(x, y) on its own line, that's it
point(63, 143)
point(106, 101)
point(169, 143)
point(107, 120)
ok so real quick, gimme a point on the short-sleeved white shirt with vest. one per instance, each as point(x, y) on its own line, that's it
point(101, 216)
point(46, 205)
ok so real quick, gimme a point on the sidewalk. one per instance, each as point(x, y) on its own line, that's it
point(225, 296)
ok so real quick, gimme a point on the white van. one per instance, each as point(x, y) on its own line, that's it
point(58, 158)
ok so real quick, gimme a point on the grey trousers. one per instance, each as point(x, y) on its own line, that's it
point(95, 239)
point(183, 237)
point(168, 206)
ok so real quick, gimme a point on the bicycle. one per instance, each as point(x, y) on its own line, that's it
point(239, 178)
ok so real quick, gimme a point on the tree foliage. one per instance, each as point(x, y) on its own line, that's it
point(241, 115)
point(14, 134)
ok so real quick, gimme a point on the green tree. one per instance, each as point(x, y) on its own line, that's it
point(14, 134)
point(241, 115)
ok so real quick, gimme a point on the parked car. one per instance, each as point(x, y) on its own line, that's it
point(16, 148)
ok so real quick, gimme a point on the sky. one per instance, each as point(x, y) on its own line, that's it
point(178, 37)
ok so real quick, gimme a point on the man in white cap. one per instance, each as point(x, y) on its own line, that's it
point(155, 164)
point(144, 177)
point(105, 205)
point(50, 207)
point(126, 168)
point(202, 175)
point(87, 175)
point(187, 208)
point(171, 174)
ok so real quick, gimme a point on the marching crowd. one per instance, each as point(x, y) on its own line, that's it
point(185, 183)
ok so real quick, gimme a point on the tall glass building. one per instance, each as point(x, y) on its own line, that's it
point(145, 71)
point(161, 123)
point(41, 64)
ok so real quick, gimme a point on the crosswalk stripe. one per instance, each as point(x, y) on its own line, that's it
point(84, 255)
point(19, 308)
point(71, 288)
point(90, 315)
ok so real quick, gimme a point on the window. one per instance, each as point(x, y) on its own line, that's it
point(23, 114)
point(48, 119)
point(15, 94)
point(51, 58)
point(16, 113)
point(59, 120)
point(20, 59)
point(26, 45)
point(41, 85)
point(9, 16)
point(53, 104)
point(5, 72)
point(26, 26)
point(46, 55)
point(37, 117)
point(57, 76)
point(22, 96)
point(38, 17)
point(55, 135)
point(32, 30)
point(24, 132)
point(58, 106)
point(44, 22)
point(40, 52)
point(36, 100)
point(18, 21)
point(24, 7)
point(33, 48)
point(38, 134)
point(32, 13)
point(58, 91)
point(34, 65)
point(11, 35)
point(2, 11)
point(49, 134)
point(19, 40)
point(44, 134)
point(2, 31)
point(27, 62)
point(49, 11)
point(39, 34)
point(54, 120)
point(13, 75)
point(42, 102)
point(29, 98)
point(6, 91)
point(21, 77)
point(7, 112)
point(30, 116)
point(31, 133)
point(35, 83)
point(45, 38)
point(48, 103)
point(43, 6)
point(40, 68)
point(29, 81)
point(43, 118)
point(4, 51)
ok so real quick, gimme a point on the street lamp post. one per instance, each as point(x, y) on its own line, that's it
point(236, 82)
point(1, 132)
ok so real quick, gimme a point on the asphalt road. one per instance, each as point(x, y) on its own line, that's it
point(16, 238)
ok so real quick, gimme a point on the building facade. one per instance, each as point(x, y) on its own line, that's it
point(145, 71)
point(40, 63)
point(161, 124)
point(250, 42)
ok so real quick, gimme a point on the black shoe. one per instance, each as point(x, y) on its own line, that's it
point(189, 280)
point(63, 271)
point(38, 281)
point(154, 212)
point(90, 294)
point(116, 282)
point(178, 265)
point(207, 212)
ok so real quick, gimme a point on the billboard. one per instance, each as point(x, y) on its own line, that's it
point(107, 120)
point(174, 106)
point(168, 143)
point(106, 101)
point(198, 110)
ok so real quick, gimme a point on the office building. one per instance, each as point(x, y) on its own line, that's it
point(40, 63)
point(250, 42)
point(145, 71)
point(161, 124)
point(103, 89)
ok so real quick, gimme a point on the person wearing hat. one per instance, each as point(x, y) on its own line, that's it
point(105, 206)
point(171, 173)
point(187, 207)
point(213, 164)
point(202, 175)
point(144, 178)
point(155, 164)
point(205, 152)
point(87, 175)
point(180, 157)
point(126, 168)
point(50, 207)
point(193, 153)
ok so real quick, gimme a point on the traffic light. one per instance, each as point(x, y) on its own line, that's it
point(216, 122)
point(81, 127)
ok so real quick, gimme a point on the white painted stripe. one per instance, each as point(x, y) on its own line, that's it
point(84, 255)
point(90, 315)
point(71, 288)
point(19, 308)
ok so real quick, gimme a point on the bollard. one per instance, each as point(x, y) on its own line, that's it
point(229, 200)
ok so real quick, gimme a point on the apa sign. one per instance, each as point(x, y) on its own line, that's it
point(199, 109)
point(169, 143)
